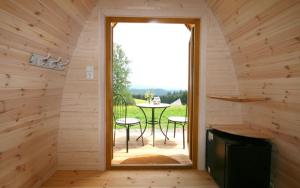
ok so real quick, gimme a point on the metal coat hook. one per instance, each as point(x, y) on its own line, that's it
point(46, 58)
point(57, 60)
point(66, 63)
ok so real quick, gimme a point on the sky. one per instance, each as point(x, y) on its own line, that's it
point(158, 54)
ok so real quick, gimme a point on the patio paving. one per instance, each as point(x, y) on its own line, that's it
point(173, 148)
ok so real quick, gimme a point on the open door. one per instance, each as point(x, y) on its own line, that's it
point(193, 94)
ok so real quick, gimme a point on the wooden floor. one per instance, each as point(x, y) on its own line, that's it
point(132, 179)
point(173, 148)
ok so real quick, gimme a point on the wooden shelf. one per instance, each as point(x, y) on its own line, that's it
point(238, 98)
point(242, 130)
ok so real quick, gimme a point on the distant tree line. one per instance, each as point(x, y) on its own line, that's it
point(169, 97)
point(172, 96)
point(138, 96)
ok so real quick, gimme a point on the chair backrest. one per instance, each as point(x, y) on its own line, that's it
point(120, 107)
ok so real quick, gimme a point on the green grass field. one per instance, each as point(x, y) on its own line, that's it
point(135, 112)
point(139, 101)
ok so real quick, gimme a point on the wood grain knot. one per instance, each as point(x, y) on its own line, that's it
point(21, 168)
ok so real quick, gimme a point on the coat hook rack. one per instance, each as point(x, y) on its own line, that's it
point(48, 62)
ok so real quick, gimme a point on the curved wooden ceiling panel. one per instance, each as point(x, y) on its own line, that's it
point(264, 38)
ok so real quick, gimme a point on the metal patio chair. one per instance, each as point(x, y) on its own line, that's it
point(178, 120)
point(121, 119)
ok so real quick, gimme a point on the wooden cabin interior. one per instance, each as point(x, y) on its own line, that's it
point(53, 122)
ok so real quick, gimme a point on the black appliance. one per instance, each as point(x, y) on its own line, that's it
point(236, 161)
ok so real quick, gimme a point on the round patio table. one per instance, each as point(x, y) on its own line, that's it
point(152, 122)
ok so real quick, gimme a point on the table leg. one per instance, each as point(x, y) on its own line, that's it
point(153, 125)
point(160, 124)
point(146, 124)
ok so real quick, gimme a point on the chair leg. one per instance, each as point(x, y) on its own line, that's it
point(115, 135)
point(174, 129)
point(127, 138)
point(128, 133)
point(153, 136)
point(183, 137)
point(188, 134)
point(141, 133)
point(167, 132)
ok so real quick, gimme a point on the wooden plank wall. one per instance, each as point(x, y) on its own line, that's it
point(264, 38)
point(30, 97)
point(79, 123)
point(79, 139)
point(220, 78)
